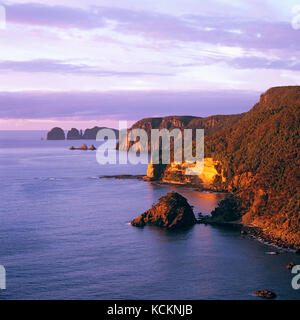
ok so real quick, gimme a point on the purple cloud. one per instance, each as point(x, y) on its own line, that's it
point(247, 62)
point(127, 105)
point(192, 28)
point(57, 66)
point(53, 16)
point(265, 63)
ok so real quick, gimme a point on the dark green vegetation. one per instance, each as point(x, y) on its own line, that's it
point(260, 158)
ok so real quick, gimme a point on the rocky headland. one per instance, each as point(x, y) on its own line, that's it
point(253, 156)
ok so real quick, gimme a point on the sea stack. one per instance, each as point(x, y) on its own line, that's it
point(172, 212)
point(56, 134)
point(74, 134)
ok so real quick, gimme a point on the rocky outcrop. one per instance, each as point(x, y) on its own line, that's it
point(92, 148)
point(228, 210)
point(56, 134)
point(74, 134)
point(84, 147)
point(265, 294)
point(291, 265)
point(172, 212)
point(210, 176)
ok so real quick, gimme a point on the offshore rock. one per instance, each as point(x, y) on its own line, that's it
point(74, 134)
point(56, 134)
point(172, 211)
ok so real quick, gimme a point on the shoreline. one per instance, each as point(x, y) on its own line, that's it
point(250, 230)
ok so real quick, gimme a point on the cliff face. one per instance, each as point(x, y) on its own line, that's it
point(256, 158)
point(210, 124)
point(211, 177)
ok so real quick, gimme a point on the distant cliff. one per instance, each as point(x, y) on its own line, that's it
point(256, 157)
point(210, 124)
point(75, 134)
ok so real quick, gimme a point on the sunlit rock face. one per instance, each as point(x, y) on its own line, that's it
point(206, 176)
point(172, 212)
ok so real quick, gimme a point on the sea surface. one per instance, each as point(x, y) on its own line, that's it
point(65, 234)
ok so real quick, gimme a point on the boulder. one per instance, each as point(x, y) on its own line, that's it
point(172, 212)
point(265, 294)
point(56, 134)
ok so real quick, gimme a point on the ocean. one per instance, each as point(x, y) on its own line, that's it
point(65, 234)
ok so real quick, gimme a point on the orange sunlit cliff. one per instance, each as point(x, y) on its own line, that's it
point(255, 156)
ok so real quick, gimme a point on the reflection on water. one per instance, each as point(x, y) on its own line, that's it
point(64, 235)
point(203, 202)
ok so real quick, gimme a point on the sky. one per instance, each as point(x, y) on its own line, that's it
point(74, 63)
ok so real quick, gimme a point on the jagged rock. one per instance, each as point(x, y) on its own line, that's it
point(291, 265)
point(265, 294)
point(83, 147)
point(172, 211)
point(92, 148)
point(74, 134)
point(56, 134)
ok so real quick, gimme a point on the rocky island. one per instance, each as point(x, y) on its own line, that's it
point(172, 212)
point(56, 134)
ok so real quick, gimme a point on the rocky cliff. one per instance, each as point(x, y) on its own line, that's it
point(257, 159)
point(209, 124)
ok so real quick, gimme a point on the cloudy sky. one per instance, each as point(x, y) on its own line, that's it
point(86, 62)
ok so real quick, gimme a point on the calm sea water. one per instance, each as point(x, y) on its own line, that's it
point(64, 234)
